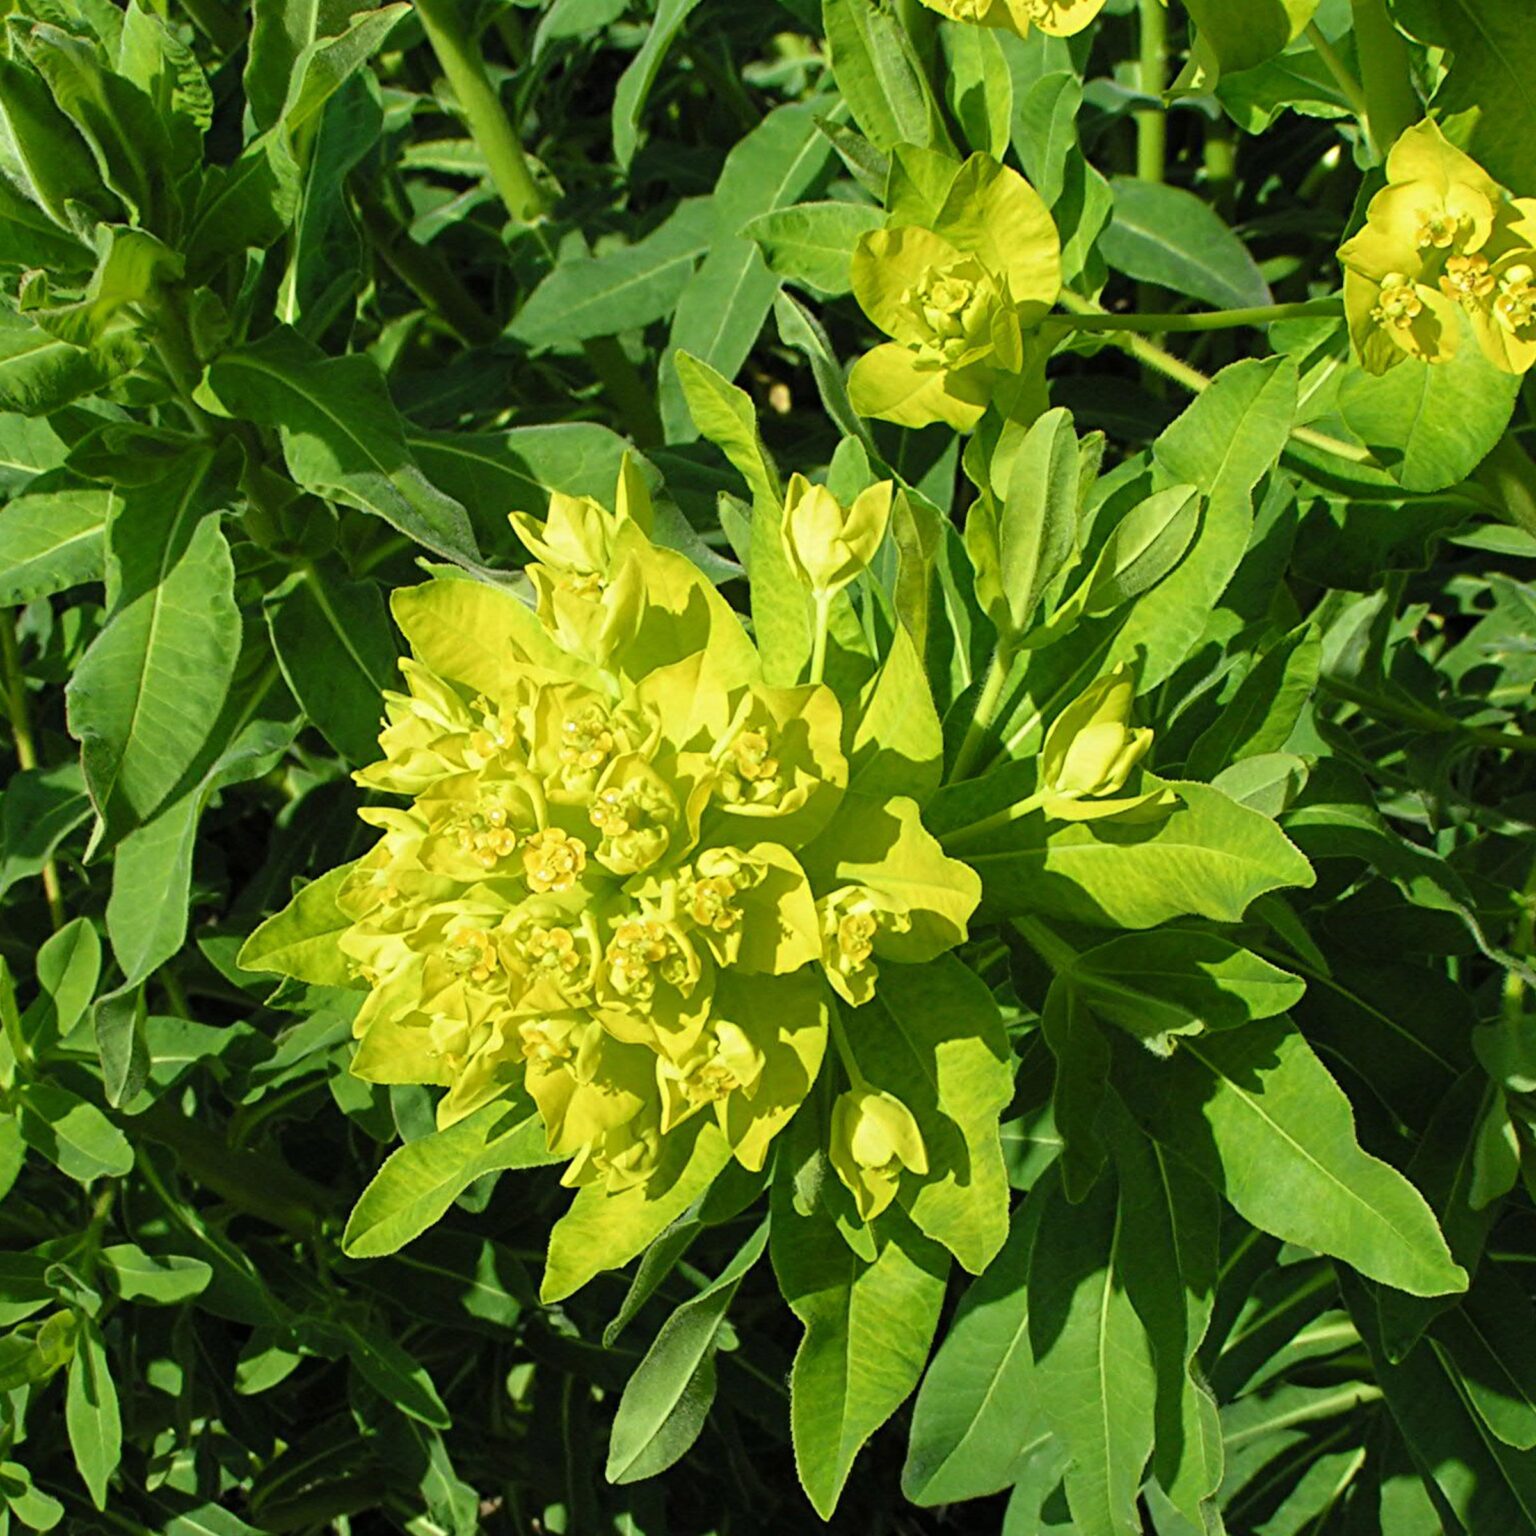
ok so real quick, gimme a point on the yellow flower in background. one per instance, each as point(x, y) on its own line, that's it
point(1059, 18)
point(1442, 242)
point(968, 263)
point(613, 887)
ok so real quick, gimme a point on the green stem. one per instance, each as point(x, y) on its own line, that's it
point(842, 1047)
point(15, 695)
point(489, 126)
point(1392, 105)
point(1353, 92)
point(1430, 721)
point(1175, 368)
point(821, 623)
point(1046, 943)
point(1152, 122)
point(981, 720)
point(960, 836)
point(1510, 475)
point(1220, 156)
point(1204, 320)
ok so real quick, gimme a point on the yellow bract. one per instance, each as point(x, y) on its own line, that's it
point(623, 883)
point(1442, 241)
point(968, 263)
point(1060, 18)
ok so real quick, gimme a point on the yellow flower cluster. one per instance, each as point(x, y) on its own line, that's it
point(630, 867)
point(1441, 240)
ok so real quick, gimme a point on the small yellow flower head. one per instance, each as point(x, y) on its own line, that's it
point(968, 262)
point(874, 1138)
point(1439, 243)
point(553, 860)
point(1059, 18)
point(853, 921)
point(828, 544)
point(1090, 752)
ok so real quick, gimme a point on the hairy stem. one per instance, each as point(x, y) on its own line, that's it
point(489, 126)
point(1152, 122)
point(986, 707)
point(1206, 320)
point(1353, 91)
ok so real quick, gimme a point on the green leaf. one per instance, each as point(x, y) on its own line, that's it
point(621, 289)
point(39, 373)
point(152, 877)
point(1431, 426)
point(601, 1231)
point(165, 1279)
point(395, 1374)
point(300, 941)
point(146, 695)
point(868, 1328)
point(72, 1133)
point(420, 1180)
point(1488, 1339)
point(1484, 1484)
point(119, 1028)
point(91, 1412)
point(1169, 1261)
point(725, 415)
point(976, 1420)
point(68, 968)
point(1094, 1373)
point(1208, 857)
point(49, 160)
point(1234, 42)
point(668, 1396)
point(978, 86)
point(880, 75)
point(721, 310)
point(337, 652)
point(1157, 986)
point(1493, 54)
point(342, 437)
point(1082, 1059)
point(1223, 444)
point(134, 152)
point(246, 205)
point(934, 1038)
point(35, 1509)
point(1277, 1137)
point(634, 87)
point(50, 541)
point(1268, 703)
point(812, 243)
point(1165, 235)
point(799, 329)
point(41, 807)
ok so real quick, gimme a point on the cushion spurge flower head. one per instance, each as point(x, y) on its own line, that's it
point(968, 263)
point(1441, 240)
point(1059, 18)
point(608, 897)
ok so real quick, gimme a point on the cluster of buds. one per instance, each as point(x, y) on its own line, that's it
point(966, 267)
point(1442, 243)
point(631, 877)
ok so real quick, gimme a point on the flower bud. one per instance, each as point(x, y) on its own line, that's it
point(829, 545)
point(1091, 748)
point(874, 1136)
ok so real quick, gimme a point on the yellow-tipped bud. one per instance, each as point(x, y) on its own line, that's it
point(874, 1137)
point(827, 544)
